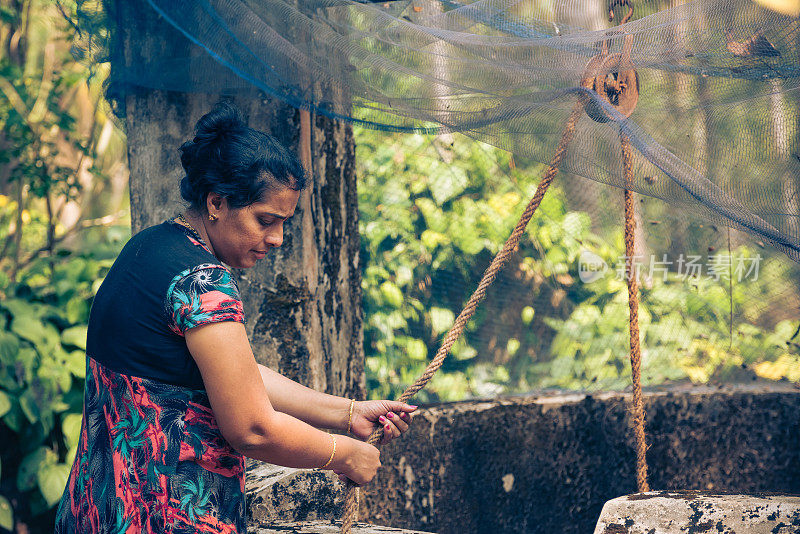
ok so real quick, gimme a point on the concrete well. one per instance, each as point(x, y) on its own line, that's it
point(547, 464)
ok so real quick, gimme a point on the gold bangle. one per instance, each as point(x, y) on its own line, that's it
point(332, 452)
point(350, 416)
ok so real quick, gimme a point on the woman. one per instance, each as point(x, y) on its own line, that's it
point(174, 398)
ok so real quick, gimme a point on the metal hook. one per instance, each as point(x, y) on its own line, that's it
point(614, 3)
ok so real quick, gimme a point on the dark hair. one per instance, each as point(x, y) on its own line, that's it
point(228, 157)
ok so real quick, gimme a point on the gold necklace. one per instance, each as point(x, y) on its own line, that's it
point(183, 222)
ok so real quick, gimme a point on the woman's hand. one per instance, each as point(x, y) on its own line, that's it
point(392, 415)
point(358, 461)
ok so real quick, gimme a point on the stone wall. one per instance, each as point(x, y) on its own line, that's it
point(546, 464)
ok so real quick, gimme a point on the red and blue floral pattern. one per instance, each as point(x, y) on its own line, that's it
point(150, 458)
point(203, 294)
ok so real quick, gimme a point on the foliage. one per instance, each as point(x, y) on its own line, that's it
point(60, 154)
point(62, 171)
point(685, 334)
point(42, 367)
point(433, 212)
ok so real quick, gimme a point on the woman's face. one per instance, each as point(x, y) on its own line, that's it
point(241, 237)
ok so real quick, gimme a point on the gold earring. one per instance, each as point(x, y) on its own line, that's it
point(212, 217)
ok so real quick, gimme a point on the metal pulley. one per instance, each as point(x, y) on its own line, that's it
point(613, 78)
point(617, 85)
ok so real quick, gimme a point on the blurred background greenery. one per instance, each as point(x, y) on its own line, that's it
point(63, 220)
point(433, 211)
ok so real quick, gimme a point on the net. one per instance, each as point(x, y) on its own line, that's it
point(715, 159)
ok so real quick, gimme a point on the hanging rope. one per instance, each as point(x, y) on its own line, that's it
point(631, 79)
point(633, 306)
point(626, 92)
point(499, 261)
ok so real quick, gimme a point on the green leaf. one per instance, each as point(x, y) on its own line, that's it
point(58, 406)
point(52, 479)
point(54, 377)
point(22, 309)
point(7, 381)
point(6, 514)
point(29, 468)
point(14, 418)
point(77, 310)
point(71, 453)
point(26, 357)
point(392, 294)
point(44, 336)
point(5, 403)
point(27, 402)
point(75, 336)
point(416, 349)
point(527, 314)
point(462, 351)
point(96, 285)
point(785, 329)
point(434, 218)
point(468, 239)
point(76, 363)
point(71, 427)
point(449, 182)
point(432, 239)
point(9, 347)
point(8, 16)
point(441, 320)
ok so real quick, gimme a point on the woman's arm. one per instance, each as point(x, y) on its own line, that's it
point(314, 407)
point(247, 418)
point(329, 411)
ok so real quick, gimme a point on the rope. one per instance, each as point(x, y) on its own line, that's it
point(633, 305)
point(499, 261)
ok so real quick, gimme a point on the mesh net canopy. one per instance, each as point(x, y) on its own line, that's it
point(715, 157)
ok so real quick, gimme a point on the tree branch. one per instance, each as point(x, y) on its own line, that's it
point(80, 225)
point(18, 229)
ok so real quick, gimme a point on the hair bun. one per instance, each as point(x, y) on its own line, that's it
point(187, 191)
point(237, 162)
point(188, 152)
point(223, 119)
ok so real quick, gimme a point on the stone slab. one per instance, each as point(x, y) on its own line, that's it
point(326, 527)
point(695, 512)
point(276, 493)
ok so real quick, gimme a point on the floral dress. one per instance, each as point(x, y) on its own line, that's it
point(151, 457)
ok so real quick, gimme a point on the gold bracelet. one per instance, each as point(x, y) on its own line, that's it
point(332, 452)
point(350, 416)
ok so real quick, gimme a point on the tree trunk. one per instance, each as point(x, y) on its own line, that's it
point(303, 302)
